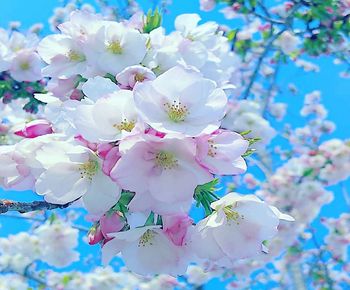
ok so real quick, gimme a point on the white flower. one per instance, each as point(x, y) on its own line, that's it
point(81, 25)
point(115, 47)
point(146, 250)
point(79, 176)
point(187, 24)
point(236, 229)
point(4, 57)
point(64, 56)
point(57, 243)
point(98, 87)
point(109, 119)
point(287, 42)
point(26, 66)
point(181, 101)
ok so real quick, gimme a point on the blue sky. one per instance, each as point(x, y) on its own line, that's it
point(335, 90)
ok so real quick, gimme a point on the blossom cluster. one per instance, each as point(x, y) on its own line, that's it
point(132, 131)
point(50, 243)
point(18, 56)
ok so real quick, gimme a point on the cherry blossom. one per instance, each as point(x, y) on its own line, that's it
point(191, 107)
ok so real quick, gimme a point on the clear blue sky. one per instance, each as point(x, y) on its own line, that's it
point(335, 91)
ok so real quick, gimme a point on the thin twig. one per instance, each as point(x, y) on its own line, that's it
point(329, 281)
point(287, 24)
point(260, 61)
point(345, 193)
point(271, 87)
point(22, 207)
point(261, 166)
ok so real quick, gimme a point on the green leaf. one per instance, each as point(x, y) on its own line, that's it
point(52, 218)
point(66, 279)
point(294, 250)
point(231, 35)
point(123, 202)
point(111, 77)
point(249, 152)
point(210, 186)
point(153, 21)
point(307, 172)
point(245, 132)
point(150, 219)
point(159, 220)
point(253, 140)
point(205, 194)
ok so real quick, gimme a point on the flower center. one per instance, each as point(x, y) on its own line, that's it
point(139, 77)
point(89, 169)
point(115, 47)
point(166, 160)
point(190, 37)
point(232, 215)
point(212, 148)
point(125, 125)
point(24, 66)
point(76, 56)
point(177, 112)
point(147, 238)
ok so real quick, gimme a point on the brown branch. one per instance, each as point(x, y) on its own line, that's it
point(23, 207)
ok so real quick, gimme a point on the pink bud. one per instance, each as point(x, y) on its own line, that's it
point(76, 95)
point(176, 226)
point(288, 5)
point(95, 235)
point(236, 6)
point(35, 128)
point(111, 223)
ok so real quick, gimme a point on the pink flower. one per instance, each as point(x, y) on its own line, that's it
point(176, 226)
point(163, 169)
point(111, 223)
point(207, 5)
point(35, 128)
point(221, 152)
point(134, 74)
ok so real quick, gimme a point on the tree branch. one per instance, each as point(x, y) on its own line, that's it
point(23, 207)
point(260, 61)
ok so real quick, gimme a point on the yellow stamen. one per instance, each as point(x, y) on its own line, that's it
point(125, 125)
point(147, 238)
point(232, 215)
point(166, 160)
point(89, 169)
point(115, 47)
point(24, 66)
point(75, 56)
point(177, 112)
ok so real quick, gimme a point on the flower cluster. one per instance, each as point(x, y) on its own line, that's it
point(50, 243)
point(18, 56)
point(132, 131)
point(338, 238)
point(20, 68)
